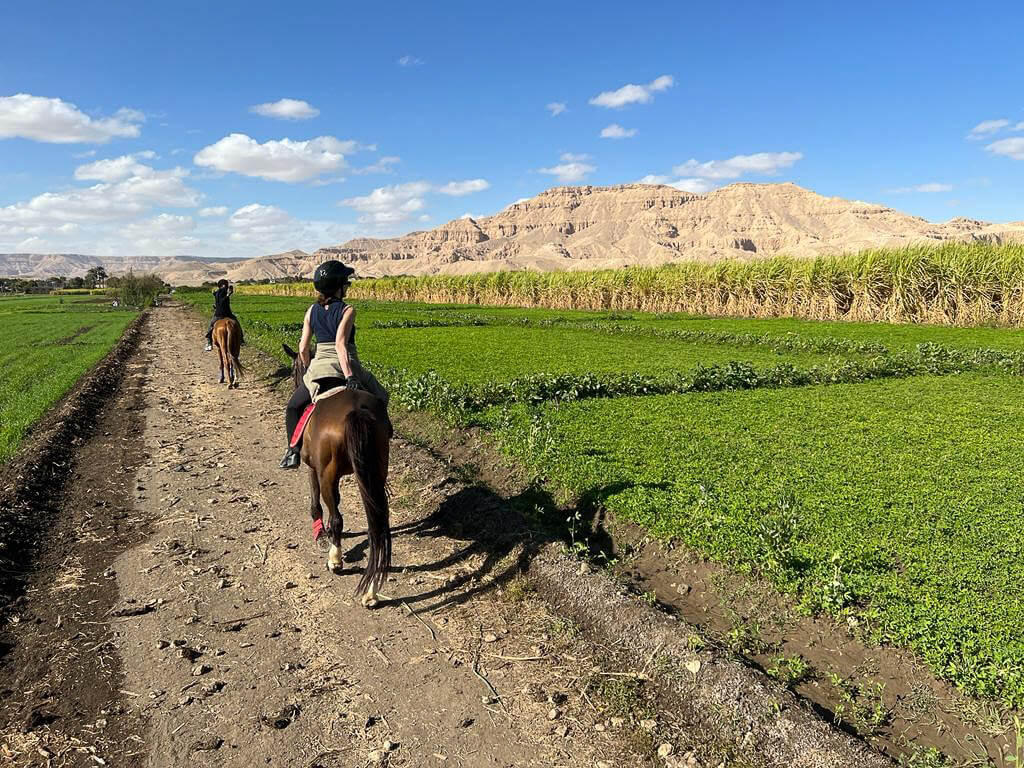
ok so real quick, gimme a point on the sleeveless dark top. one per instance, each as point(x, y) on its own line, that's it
point(222, 303)
point(324, 320)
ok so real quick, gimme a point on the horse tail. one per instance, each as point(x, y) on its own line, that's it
point(234, 344)
point(362, 437)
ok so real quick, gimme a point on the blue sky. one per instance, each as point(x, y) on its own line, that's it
point(131, 128)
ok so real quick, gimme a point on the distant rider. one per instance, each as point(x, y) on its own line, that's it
point(333, 323)
point(221, 308)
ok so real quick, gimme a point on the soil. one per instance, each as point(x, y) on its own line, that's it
point(177, 612)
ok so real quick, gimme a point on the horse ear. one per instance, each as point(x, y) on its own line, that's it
point(289, 351)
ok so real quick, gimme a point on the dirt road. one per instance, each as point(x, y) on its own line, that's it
point(181, 615)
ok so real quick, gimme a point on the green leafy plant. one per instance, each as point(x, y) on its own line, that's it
point(861, 704)
point(790, 670)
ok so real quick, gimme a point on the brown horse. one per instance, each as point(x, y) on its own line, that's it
point(227, 338)
point(349, 434)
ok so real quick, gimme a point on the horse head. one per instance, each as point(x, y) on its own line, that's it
point(298, 369)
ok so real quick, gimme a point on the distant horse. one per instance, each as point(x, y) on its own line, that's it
point(349, 433)
point(227, 338)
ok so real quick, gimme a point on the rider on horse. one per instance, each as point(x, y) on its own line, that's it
point(221, 308)
point(336, 362)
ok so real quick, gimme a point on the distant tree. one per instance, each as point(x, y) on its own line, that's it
point(139, 290)
point(95, 277)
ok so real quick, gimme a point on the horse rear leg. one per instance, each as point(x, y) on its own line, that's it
point(332, 498)
point(315, 510)
point(229, 347)
point(219, 342)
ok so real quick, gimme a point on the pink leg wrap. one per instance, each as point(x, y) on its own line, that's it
point(318, 529)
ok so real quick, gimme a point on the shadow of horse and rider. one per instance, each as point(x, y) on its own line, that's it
point(499, 534)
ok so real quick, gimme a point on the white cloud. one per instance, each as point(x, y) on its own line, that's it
point(389, 205)
point(327, 182)
point(632, 94)
point(83, 155)
point(572, 168)
point(32, 245)
point(113, 169)
point(930, 187)
point(381, 166)
point(219, 210)
point(272, 229)
point(1018, 127)
point(556, 108)
point(257, 221)
point(761, 163)
point(284, 160)
point(467, 187)
point(987, 128)
point(616, 131)
point(58, 122)
point(165, 234)
point(107, 217)
point(694, 186)
point(1012, 148)
point(409, 61)
point(117, 199)
point(286, 109)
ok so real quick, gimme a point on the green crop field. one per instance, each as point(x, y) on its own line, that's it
point(870, 471)
point(46, 344)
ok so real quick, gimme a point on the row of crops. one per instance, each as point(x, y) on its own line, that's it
point(46, 344)
point(953, 283)
point(869, 471)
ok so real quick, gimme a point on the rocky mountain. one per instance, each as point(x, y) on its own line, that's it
point(598, 227)
point(584, 228)
point(177, 270)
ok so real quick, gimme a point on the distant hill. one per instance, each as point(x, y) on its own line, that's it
point(597, 227)
point(583, 228)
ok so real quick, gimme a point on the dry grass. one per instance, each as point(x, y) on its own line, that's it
point(949, 284)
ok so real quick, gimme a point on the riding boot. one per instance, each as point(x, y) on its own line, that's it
point(291, 459)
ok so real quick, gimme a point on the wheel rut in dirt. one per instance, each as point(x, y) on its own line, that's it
point(68, 513)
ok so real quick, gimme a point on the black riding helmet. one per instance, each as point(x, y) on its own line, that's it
point(330, 276)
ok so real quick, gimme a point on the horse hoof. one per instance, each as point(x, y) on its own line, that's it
point(369, 601)
point(333, 567)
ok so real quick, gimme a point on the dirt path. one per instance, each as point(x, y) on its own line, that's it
point(228, 643)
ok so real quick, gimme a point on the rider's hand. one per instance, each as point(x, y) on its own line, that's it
point(351, 383)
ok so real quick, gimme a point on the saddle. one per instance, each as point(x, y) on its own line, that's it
point(300, 428)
